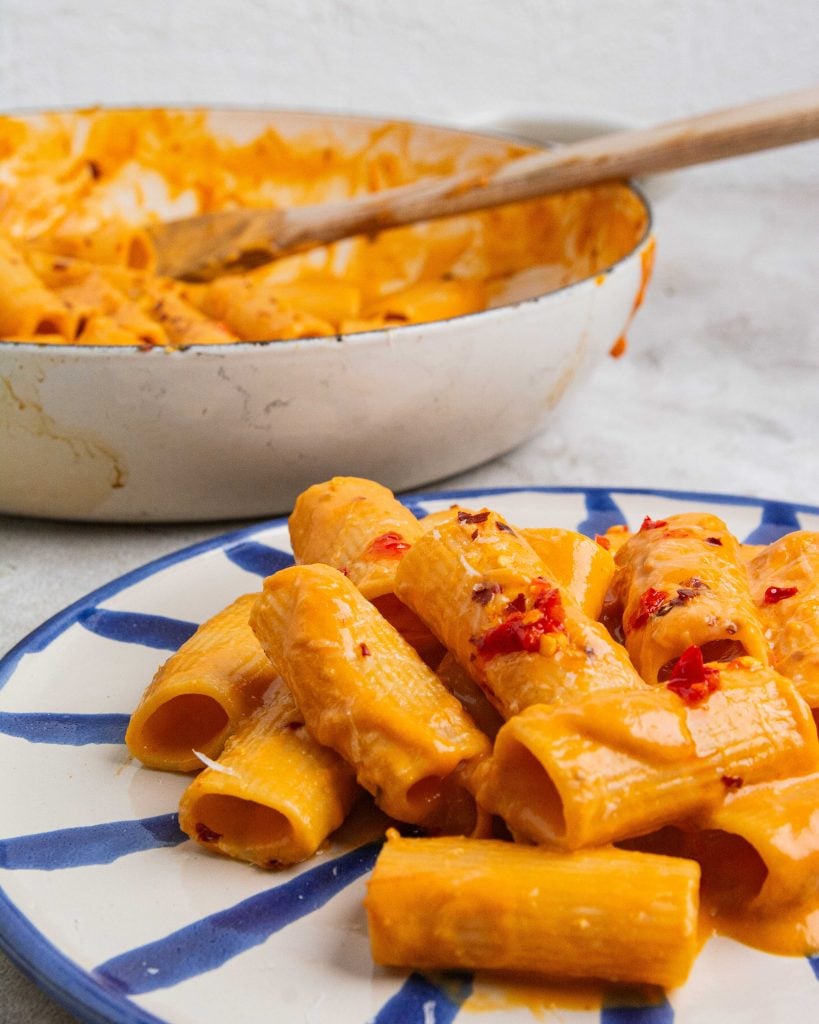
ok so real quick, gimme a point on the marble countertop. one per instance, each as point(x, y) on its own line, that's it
point(717, 392)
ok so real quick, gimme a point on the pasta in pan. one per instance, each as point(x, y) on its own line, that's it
point(78, 189)
point(564, 791)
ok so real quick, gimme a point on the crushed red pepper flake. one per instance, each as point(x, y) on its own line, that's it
point(650, 603)
point(604, 542)
point(473, 517)
point(692, 680)
point(503, 527)
point(365, 650)
point(482, 593)
point(522, 630)
point(652, 524)
point(773, 595)
point(732, 781)
point(387, 545)
point(714, 540)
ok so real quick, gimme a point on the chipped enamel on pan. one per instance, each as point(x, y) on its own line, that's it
point(215, 432)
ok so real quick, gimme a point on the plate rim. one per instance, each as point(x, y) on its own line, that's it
point(39, 959)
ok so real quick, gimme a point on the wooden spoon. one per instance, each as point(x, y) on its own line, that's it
point(206, 246)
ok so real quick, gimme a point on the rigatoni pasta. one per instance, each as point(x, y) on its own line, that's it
point(493, 603)
point(500, 906)
point(365, 692)
point(623, 764)
point(616, 801)
point(682, 582)
point(274, 794)
point(201, 693)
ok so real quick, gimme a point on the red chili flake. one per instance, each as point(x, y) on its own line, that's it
point(520, 631)
point(714, 540)
point(604, 542)
point(482, 592)
point(388, 545)
point(503, 527)
point(474, 534)
point(651, 601)
point(365, 650)
point(94, 169)
point(773, 595)
point(205, 834)
point(732, 781)
point(652, 524)
point(691, 679)
point(473, 517)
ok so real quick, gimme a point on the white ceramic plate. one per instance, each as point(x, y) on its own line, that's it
point(107, 905)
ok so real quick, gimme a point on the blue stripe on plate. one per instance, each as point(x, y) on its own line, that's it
point(137, 628)
point(814, 963)
point(89, 844)
point(602, 511)
point(660, 1012)
point(258, 558)
point(213, 940)
point(778, 519)
point(417, 510)
point(63, 728)
point(421, 1000)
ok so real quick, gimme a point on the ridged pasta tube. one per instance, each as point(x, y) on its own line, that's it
point(620, 765)
point(274, 794)
point(200, 694)
point(680, 581)
point(483, 590)
point(492, 905)
point(365, 692)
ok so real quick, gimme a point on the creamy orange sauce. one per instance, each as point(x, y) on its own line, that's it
point(69, 179)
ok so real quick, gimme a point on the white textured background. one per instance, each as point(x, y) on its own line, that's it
point(443, 60)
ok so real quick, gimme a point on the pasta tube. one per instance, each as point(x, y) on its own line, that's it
point(681, 581)
point(274, 795)
point(491, 905)
point(359, 527)
point(779, 820)
point(461, 684)
point(250, 309)
point(28, 307)
point(785, 588)
point(201, 693)
point(759, 855)
point(183, 323)
point(620, 765)
point(579, 565)
point(365, 692)
point(115, 242)
point(483, 590)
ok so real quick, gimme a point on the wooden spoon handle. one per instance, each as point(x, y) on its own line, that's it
point(746, 129)
point(242, 238)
